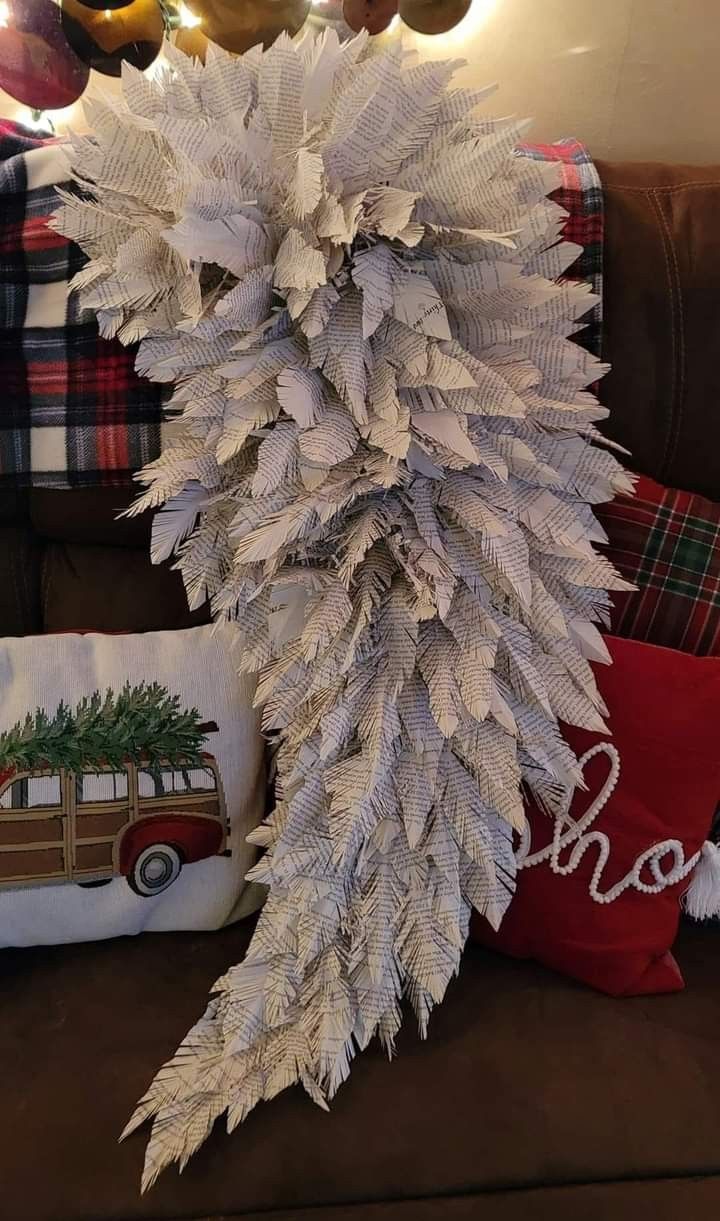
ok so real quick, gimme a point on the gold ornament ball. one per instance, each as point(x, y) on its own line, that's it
point(104, 38)
point(191, 41)
point(237, 26)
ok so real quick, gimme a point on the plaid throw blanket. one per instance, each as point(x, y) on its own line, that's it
point(580, 194)
point(74, 413)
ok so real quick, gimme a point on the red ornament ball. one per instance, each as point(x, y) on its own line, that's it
point(36, 64)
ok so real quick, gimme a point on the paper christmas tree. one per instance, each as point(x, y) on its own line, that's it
point(383, 472)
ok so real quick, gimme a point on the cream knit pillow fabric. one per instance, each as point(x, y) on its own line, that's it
point(127, 810)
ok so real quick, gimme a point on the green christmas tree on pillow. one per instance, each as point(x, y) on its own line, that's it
point(142, 724)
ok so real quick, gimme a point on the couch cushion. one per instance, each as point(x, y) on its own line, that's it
point(111, 589)
point(67, 562)
point(89, 515)
point(527, 1081)
point(14, 506)
point(662, 320)
point(20, 557)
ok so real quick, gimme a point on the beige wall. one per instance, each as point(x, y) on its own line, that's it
point(632, 78)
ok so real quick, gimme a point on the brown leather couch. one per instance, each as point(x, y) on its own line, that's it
point(534, 1098)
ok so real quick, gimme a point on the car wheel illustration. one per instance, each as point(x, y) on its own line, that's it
point(154, 869)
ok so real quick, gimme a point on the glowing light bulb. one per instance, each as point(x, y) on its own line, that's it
point(4, 13)
point(48, 122)
point(39, 121)
point(188, 20)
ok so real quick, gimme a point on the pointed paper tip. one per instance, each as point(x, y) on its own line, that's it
point(150, 1176)
point(135, 1122)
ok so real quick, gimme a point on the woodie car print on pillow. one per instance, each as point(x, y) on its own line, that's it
point(87, 826)
point(131, 772)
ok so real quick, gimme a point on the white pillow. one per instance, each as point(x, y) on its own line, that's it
point(101, 850)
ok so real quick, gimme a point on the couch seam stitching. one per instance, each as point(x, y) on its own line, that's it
point(690, 1177)
point(16, 584)
point(675, 361)
point(47, 570)
point(679, 382)
point(670, 189)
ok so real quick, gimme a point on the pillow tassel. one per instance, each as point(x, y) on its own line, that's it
point(702, 899)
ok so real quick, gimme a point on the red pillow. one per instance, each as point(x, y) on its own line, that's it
point(664, 712)
point(667, 543)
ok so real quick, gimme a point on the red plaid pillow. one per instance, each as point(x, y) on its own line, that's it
point(668, 543)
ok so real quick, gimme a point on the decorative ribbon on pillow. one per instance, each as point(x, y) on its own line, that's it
point(702, 899)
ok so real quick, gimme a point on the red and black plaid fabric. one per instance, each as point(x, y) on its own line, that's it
point(74, 413)
point(580, 194)
point(668, 543)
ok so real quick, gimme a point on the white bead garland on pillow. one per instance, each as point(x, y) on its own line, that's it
point(702, 899)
